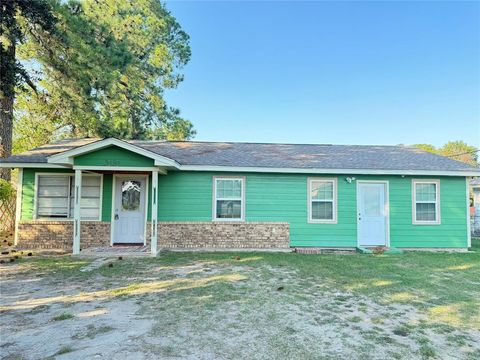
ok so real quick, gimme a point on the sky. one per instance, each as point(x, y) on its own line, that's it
point(331, 72)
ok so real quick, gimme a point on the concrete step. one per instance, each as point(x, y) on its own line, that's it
point(378, 250)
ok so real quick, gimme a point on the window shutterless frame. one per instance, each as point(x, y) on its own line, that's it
point(71, 176)
point(437, 220)
point(334, 182)
point(241, 198)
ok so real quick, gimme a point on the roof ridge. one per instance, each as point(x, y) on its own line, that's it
point(266, 143)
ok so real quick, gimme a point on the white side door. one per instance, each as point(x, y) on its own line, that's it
point(372, 214)
point(129, 210)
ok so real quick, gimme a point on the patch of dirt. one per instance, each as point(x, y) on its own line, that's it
point(211, 310)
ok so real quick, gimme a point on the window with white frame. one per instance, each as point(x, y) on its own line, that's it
point(322, 200)
point(55, 196)
point(229, 198)
point(426, 201)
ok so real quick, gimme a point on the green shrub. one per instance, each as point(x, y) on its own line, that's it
point(6, 190)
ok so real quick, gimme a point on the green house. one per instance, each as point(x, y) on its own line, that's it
point(98, 193)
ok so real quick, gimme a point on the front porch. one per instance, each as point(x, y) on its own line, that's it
point(116, 251)
point(133, 215)
point(118, 207)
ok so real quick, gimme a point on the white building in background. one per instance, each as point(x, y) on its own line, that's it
point(475, 186)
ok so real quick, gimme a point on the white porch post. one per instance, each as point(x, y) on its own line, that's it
point(76, 212)
point(469, 224)
point(153, 239)
point(18, 206)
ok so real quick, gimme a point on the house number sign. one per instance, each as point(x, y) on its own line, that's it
point(111, 162)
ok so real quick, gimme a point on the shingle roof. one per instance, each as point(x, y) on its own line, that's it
point(40, 154)
point(302, 156)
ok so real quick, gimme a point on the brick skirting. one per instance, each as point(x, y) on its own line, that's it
point(171, 235)
point(59, 234)
point(223, 235)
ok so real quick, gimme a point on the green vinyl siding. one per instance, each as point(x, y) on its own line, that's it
point(187, 196)
point(452, 232)
point(113, 156)
point(107, 193)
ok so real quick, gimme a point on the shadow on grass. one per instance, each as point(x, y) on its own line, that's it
point(141, 288)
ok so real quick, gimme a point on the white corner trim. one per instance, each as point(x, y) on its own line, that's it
point(18, 206)
point(154, 213)
point(66, 157)
point(112, 210)
point(469, 234)
point(438, 219)
point(76, 212)
point(334, 181)
point(147, 194)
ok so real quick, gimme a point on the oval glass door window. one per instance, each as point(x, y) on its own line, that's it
point(130, 195)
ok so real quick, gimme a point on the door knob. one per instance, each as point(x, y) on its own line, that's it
point(116, 217)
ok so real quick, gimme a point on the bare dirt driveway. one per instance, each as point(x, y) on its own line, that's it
point(242, 306)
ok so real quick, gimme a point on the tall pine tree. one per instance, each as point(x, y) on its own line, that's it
point(16, 17)
point(104, 74)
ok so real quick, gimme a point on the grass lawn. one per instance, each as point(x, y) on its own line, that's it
point(243, 305)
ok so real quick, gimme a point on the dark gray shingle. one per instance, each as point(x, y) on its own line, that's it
point(303, 156)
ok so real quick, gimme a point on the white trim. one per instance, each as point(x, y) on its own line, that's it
point(438, 216)
point(100, 210)
point(120, 168)
point(387, 207)
point(76, 212)
point(147, 192)
point(32, 165)
point(18, 205)
point(242, 199)
point(66, 157)
point(153, 231)
point(255, 169)
point(334, 200)
point(326, 171)
point(469, 234)
point(112, 217)
point(35, 196)
point(114, 195)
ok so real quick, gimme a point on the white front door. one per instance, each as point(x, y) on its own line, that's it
point(129, 210)
point(372, 214)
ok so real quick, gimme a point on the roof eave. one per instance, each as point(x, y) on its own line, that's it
point(22, 165)
point(467, 172)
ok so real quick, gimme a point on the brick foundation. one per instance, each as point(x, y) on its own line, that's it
point(223, 235)
point(59, 234)
point(171, 235)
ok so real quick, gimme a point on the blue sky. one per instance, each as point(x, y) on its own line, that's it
point(331, 72)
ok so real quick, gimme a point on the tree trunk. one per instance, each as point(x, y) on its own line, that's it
point(6, 115)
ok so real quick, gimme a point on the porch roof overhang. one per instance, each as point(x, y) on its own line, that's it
point(66, 158)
